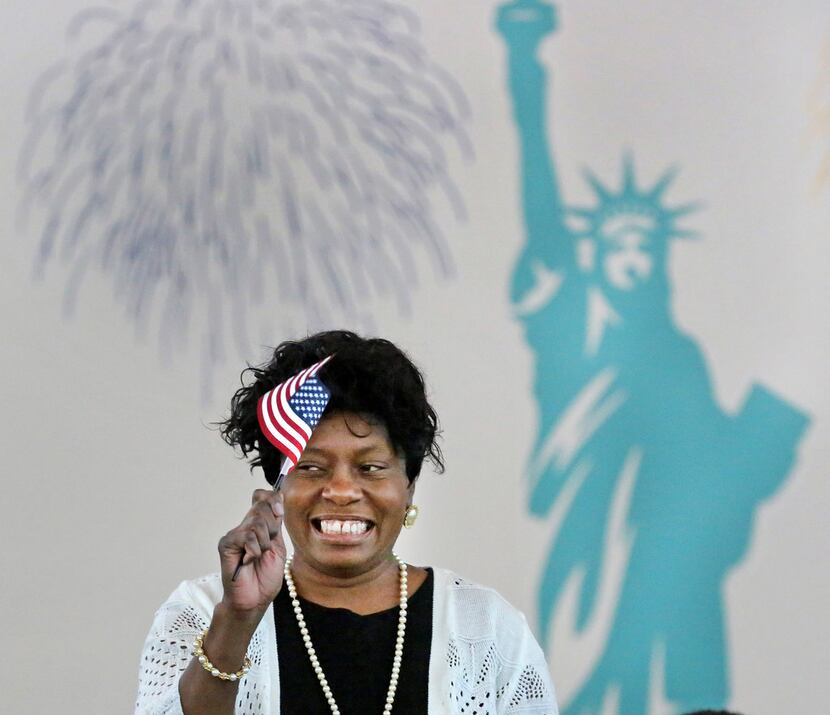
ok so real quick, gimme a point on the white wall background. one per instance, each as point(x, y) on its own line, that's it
point(114, 489)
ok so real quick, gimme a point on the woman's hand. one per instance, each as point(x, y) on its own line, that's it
point(258, 542)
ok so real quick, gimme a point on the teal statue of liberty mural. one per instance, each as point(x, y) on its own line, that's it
point(653, 486)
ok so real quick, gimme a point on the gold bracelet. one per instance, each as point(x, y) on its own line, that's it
point(199, 652)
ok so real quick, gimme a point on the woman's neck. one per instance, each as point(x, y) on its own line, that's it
point(370, 591)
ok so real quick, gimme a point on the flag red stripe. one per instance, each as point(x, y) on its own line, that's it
point(268, 429)
point(271, 430)
point(285, 426)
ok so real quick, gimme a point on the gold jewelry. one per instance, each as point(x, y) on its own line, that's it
point(318, 669)
point(410, 517)
point(199, 652)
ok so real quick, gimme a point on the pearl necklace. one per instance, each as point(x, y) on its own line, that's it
point(396, 662)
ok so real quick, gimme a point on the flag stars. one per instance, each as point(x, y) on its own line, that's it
point(310, 401)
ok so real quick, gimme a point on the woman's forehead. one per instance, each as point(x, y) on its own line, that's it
point(351, 432)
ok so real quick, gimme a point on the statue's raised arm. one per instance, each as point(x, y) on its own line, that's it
point(523, 24)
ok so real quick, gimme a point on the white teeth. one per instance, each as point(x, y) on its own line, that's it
point(334, 526)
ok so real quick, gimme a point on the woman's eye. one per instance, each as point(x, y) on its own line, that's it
point(372, 468)
point(308, 469)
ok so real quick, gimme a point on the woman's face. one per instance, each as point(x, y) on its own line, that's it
point(345, 500)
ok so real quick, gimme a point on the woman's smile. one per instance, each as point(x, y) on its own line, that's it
point(342, 529)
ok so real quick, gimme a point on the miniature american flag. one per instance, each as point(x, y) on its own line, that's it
point(289, 412)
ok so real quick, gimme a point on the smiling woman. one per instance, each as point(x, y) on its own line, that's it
point(345, 500)
point(343, 625)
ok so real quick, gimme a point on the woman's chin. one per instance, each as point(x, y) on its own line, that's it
point(340, 556)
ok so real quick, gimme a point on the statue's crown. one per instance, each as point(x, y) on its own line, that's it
point(632, 203)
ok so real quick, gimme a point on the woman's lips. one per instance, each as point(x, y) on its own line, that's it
point(342, 530)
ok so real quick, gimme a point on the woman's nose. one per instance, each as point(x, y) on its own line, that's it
point(341, 487)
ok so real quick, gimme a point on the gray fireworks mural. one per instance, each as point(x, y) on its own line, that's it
point(224, 162)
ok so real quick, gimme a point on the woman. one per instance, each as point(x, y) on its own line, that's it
point(342, 626)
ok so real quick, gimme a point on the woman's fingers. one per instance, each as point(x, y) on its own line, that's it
point(263, 534)
point(253, 531)
point(277, 506)
point(261, 495)
point(260, 530)
point(252, 548)
point(268, 496)
point(263, 513)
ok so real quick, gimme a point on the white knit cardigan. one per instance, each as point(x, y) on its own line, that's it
point(484, 659)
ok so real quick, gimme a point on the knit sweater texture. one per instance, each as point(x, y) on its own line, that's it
point(484, 659)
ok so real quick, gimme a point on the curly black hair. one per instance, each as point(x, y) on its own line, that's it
point(368, 376)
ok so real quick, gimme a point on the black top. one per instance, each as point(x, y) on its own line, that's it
point(356, 655)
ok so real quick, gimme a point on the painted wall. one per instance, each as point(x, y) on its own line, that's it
point(181, 187)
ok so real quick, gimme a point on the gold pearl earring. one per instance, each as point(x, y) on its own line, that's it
point(410, 516)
